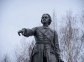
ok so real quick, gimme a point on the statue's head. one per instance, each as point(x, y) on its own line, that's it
point(46, 19)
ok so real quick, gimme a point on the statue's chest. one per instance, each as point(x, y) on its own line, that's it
point(43, 33)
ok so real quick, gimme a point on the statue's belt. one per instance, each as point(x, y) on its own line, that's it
point(42, 42)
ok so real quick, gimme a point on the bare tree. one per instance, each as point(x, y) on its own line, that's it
point(82, 18)
point(24, 54)
point(70, 40)
point(6, 58)
point(82, 37)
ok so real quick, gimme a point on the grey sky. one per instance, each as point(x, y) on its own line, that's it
point(17, 14)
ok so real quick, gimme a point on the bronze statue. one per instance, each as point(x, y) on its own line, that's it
point(46, 48)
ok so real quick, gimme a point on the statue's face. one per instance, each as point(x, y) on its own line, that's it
point(45, 19)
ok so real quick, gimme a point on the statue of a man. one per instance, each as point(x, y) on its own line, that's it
point(46, 48)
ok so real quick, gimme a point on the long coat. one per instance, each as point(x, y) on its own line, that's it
point(46, 40)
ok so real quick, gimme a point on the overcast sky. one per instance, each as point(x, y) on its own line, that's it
point(17, 14)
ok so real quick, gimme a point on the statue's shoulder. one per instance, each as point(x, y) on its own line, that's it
point(51, 30)
point(36, 28)
point(40, 27)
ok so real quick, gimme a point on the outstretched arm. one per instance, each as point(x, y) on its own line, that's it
point(26, 32)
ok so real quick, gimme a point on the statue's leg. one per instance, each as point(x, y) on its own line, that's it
point(50, 57)
point(41, 47)
point(53, 58)
point(38, 57)
point(35, 58)
point(48, 53)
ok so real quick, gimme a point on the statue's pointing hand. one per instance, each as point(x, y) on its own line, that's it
point(22, 31)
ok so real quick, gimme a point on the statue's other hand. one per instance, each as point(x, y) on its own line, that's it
point(23, 31)
point(20, 32)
